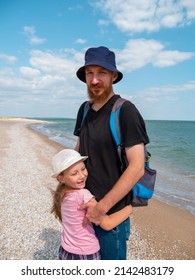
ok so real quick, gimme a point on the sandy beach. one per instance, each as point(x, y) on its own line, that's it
point(29, 232)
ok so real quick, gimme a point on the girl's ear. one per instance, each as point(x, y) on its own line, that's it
point(60, 178)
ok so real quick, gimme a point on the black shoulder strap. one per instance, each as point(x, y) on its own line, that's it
point(85, 111)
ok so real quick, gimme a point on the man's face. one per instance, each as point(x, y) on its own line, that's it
point(99, 82)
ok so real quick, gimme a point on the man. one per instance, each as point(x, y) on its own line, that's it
point(110, 186)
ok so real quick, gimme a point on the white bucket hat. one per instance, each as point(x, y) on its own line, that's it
point(65, 159)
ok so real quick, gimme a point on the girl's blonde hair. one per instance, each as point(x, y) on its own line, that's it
point(58, 196)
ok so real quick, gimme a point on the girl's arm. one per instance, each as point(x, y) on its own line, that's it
point(111, 221)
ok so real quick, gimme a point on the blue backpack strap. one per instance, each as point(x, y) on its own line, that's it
point(85, 111)
point(116, 131)
point(115, 127)
point(115, 122)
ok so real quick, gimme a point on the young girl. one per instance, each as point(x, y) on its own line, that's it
point(77, 242)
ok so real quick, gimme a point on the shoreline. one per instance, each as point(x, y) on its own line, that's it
point(159, 231)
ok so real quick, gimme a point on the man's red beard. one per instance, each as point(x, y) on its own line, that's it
point(99, 98)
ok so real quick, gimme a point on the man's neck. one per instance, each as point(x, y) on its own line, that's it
point(99, 104)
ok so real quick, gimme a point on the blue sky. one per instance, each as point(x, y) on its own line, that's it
point(42, 44)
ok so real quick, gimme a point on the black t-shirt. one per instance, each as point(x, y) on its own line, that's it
point(96, 141)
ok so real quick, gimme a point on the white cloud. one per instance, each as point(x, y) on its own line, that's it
point(138, 16)
point(30, 32)
point(29, 72)
point(190, 8)
point(52, 76)
point(8, 58)
point(51, 63)
point(80, 41)
point(168, 91)
point(170, 58)
point(141, 52)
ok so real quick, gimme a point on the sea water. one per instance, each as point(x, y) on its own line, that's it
point(172, 145)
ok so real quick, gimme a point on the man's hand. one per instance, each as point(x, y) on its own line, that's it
point(94, 212)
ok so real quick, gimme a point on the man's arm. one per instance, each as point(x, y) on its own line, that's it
point(111, 221)
point(135, 170)
point(77, 145)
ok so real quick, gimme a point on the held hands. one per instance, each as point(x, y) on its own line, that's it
point(94, 212)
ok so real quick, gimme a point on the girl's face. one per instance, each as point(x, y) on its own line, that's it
point(75, 176)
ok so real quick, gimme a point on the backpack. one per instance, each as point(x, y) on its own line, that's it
point(144, 188)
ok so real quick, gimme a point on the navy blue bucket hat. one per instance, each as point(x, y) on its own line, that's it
point(100, 56)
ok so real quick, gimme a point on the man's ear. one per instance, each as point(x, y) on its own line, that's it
point(114, 76)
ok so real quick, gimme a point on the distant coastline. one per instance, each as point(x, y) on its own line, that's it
point(47, 118)
point(20, 119)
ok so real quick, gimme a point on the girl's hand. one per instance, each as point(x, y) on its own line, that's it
point(94, 212)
